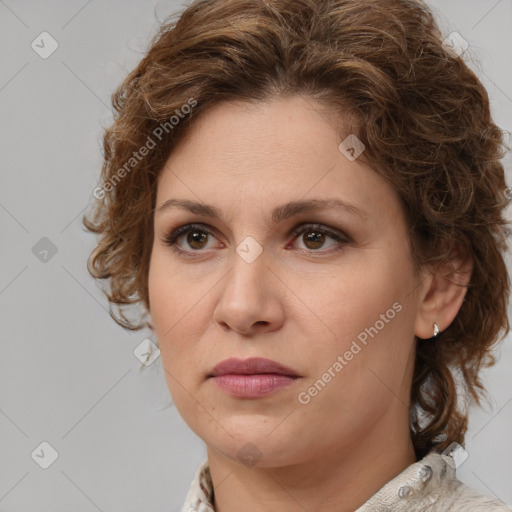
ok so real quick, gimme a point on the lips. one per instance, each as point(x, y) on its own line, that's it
point(251, 366)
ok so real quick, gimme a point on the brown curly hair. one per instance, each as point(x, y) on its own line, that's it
point(422, 114)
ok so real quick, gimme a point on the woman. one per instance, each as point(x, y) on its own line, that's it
point(307, 198)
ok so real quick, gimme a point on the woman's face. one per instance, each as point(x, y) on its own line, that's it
point(339, 312)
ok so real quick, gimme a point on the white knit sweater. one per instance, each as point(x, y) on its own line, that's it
point(429, 485)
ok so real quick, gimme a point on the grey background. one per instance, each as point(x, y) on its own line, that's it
point(68, 374)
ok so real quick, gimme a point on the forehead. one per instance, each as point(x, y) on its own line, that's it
point(282, 129)
point(266, 154)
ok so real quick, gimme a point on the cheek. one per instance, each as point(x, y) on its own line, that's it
point(367, 317)
point(179, 310)
point(166, 308)
point(352, 298)
point(166, 291)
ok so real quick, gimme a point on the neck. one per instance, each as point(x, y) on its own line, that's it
point(333, 481)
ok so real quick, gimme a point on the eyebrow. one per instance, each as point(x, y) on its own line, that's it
point(278, 214)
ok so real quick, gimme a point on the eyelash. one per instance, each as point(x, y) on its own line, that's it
point(171, 238)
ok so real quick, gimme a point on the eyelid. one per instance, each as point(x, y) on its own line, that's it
point(312, 226)
point(171, 236)
point(339, 236)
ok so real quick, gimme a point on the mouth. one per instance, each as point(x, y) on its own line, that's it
point(252, 378)
point(251, 366)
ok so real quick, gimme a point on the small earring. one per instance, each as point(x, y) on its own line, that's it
point(436, 330)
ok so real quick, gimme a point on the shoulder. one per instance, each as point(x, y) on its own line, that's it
point(447, 493)
point(431, 485)
point(457, 496)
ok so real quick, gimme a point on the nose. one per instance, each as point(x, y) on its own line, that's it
point(251, 298)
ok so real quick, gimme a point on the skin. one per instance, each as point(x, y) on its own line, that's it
point(298, 303)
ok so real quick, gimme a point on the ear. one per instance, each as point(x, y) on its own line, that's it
point(443, 294)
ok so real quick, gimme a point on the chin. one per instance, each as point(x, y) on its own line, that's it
point(258, 450)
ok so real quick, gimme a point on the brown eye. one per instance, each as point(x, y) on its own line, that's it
point(314, 237)
point(196, 239)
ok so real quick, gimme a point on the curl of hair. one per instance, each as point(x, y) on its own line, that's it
point(422, 114)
